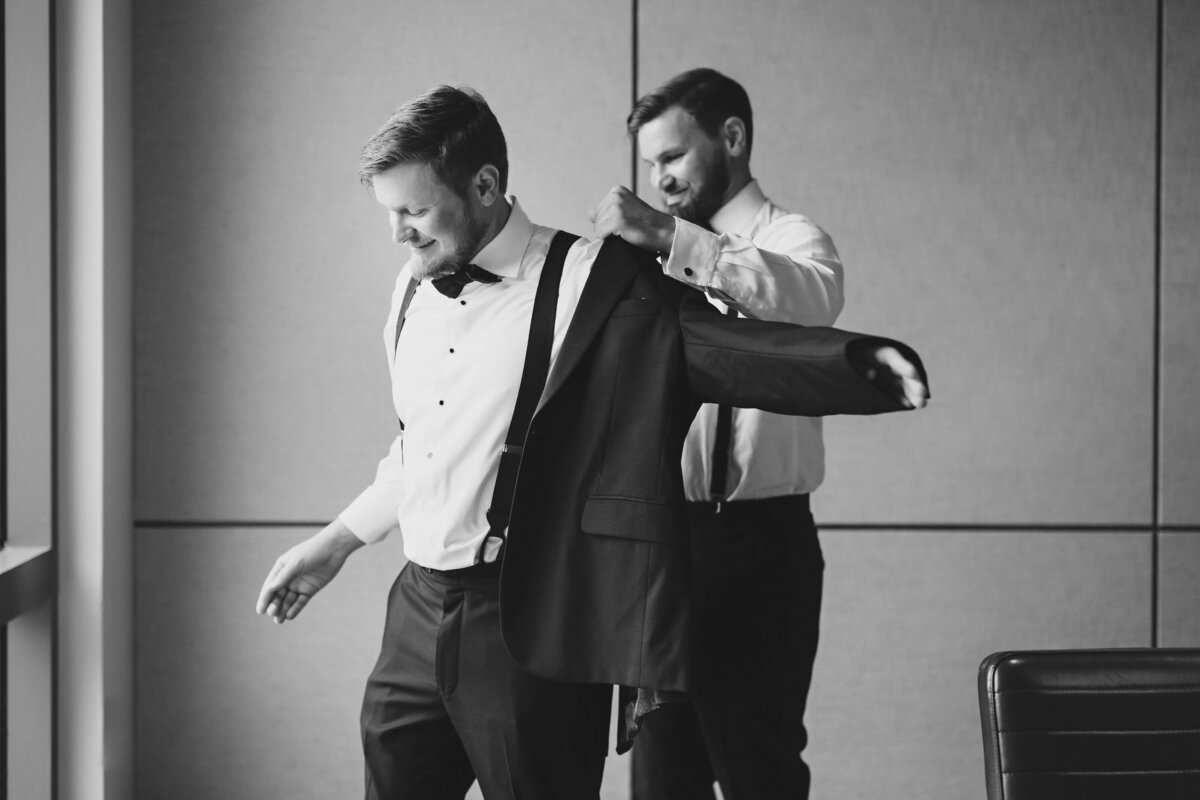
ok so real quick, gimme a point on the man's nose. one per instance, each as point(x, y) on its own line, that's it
point(401, 233)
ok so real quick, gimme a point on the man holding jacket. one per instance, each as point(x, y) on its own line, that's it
point(543, 518)
point(757, 563)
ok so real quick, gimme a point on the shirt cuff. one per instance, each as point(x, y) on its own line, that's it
point(693, 258)
point(371, 516)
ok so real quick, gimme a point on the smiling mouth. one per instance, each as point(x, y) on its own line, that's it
point(674, 198)
point(420, 246)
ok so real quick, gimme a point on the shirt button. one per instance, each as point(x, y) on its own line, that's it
point(429, 455)
point(451, 349)
point(441, 402)
point(462, 302)
point(687, 271)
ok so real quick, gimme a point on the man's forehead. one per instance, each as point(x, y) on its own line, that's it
point(407, 183)
point(672, 128)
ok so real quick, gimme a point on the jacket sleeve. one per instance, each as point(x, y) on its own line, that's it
point(783, 368)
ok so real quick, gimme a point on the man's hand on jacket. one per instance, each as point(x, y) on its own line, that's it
point(893, 374)
point(623, 213)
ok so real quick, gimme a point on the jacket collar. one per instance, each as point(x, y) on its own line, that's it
point(615, 267)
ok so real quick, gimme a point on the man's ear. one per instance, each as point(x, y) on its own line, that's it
point(486, 184)
point(733, 135)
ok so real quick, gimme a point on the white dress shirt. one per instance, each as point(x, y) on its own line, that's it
point(455, 374)
point(767, 264)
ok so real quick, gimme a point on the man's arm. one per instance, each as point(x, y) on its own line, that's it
point(789, 369)
point(308, 567)
point(304, 570)
point(793, 274)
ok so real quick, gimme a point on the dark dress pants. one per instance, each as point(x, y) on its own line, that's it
point(757, 598)
point(446, 704)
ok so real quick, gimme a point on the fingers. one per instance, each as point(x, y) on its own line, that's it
point(267, 593)
point(276, 596)
point(915, 392)
point(608, 217)
point(896, 376)
point(912, 390)
point(601, 217)
point(297, 606)
point(286, 604)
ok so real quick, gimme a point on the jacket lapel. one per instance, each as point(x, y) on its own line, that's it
point(610, 275)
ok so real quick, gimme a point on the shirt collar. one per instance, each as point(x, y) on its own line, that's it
point(739, 212)
point(502, 255)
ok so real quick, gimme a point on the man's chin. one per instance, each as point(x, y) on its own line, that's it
point(424, 269)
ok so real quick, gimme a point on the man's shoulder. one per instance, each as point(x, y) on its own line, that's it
point(773, 214)
point(777, 227)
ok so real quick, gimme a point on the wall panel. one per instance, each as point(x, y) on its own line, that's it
point(908, 617)
point(987, 171)
point(264, 270)
point(1178, 589)
point(1180, 433)
point(231, 705)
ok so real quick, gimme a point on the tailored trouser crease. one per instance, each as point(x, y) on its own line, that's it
point(446, 704)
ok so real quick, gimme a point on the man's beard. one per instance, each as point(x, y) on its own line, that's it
point(707, 198)
point(468, 244)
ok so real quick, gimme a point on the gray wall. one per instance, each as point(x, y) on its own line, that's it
point(988, 171)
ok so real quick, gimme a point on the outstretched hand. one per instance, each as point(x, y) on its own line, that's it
point(304, 570)
point(894, 375)
point(623, 213)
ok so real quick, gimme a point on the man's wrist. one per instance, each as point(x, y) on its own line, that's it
point(666, 236)
point(338, 536)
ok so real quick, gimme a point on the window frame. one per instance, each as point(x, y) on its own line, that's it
point(28, 366)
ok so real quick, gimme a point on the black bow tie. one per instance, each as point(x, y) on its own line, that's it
point(452, 285)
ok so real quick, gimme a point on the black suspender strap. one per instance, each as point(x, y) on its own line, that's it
point(409, 291)
point(720, 451)
point(533, 382)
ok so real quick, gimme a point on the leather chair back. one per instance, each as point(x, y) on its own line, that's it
point(1094, 724)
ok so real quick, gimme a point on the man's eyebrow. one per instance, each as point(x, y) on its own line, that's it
point(665, 153)
point(405, 209)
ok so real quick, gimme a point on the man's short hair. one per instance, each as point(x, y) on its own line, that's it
point(710, 98)
point(450, 128)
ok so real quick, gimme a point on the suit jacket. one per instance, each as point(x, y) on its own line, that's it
point(595, 579)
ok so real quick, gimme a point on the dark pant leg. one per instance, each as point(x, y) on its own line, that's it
point(669, 760)
point(409, 743)
point(527, 738)
point(757, 600)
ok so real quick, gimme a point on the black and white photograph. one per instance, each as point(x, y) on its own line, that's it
point(608, 400)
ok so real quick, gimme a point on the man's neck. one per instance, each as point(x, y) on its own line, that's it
point(498, 215)
point(738, 179)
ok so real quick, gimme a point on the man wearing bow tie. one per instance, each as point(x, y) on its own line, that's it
point(544, 386)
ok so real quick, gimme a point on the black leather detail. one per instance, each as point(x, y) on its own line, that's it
point(1094, 724)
